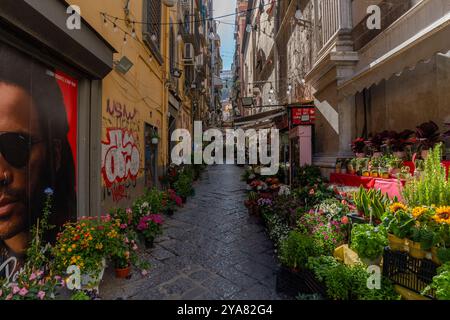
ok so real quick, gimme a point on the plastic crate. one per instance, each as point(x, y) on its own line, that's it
point(292, 283)
point(408, 272)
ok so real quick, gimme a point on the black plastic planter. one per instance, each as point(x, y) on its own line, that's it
point(303, 281)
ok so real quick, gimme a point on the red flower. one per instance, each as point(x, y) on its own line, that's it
point(312, 192)
point(344, 220)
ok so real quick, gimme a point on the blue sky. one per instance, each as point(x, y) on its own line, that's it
point(226, 31)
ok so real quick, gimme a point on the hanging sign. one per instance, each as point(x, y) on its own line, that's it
point(303, 116)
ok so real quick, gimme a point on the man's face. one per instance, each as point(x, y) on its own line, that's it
point(17, 185)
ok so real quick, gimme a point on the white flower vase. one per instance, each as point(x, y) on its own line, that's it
point(91, 281)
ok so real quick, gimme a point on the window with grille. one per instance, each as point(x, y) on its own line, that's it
point(153, 12)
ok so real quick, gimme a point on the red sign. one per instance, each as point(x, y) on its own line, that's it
point(303, 116)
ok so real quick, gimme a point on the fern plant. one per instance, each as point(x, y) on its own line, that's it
point(432, 187)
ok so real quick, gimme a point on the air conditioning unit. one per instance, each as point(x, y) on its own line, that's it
point(188, 54)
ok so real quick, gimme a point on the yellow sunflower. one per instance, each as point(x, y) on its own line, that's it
point(418, 212)
point(442, 215)
point(397, 206)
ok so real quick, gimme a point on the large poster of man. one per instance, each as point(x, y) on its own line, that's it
point(37, 150)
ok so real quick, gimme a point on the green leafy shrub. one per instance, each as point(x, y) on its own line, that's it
point(369, 241)
point(183, 186)
point(432, 187)
point(348, 282)
point(441, 283)
point(296, 249)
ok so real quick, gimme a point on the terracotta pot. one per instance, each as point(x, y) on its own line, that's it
point(122, 273)
point(415, 250)
point(395, 243)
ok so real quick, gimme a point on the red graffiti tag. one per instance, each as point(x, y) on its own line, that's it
point(120, 157)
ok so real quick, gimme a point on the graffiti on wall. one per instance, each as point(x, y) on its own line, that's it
point(120, 151)
point(120, 162)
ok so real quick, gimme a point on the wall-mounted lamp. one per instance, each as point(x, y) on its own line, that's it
point(123, 65)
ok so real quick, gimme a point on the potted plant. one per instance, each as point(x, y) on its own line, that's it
point(155, 137)
point(394, 164)
point(376, 143)
point(352, 165)
point(338, 166)
point(122, 263)
point(183, 187)
point(369, 242)
point(398, 222)
point(150, 226)
point(428, 136)
point(87, 244)
point(359, 147)
point(399, 141)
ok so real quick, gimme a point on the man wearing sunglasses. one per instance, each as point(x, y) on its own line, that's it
point(34, 153)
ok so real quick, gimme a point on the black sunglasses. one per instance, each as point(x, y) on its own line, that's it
point(16, 148)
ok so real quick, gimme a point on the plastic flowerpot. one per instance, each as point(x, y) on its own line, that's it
point(91, 281)
point(415, 250)
point(149, 243)
point(395, 243)
point(122, 273)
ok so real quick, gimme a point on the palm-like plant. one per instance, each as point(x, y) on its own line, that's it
point(428, 135)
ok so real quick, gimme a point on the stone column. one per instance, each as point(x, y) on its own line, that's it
point(346, 110)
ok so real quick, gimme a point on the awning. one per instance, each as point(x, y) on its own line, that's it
point(259, 118)
point(421, 47)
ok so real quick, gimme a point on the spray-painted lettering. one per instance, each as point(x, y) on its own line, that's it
point(120, 157)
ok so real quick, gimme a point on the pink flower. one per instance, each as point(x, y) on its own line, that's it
point(123, 226)
point(126, 240)
point(15, 289)
point(135, 247)
point(33, 276)
point(23, 292)
point(312, 192)
point(344, 220)
point(41, 295)
point(40, 273)
point(1, 292)
point(129, 211)
point(58, 278)
point(326, 237)
point(9, 296)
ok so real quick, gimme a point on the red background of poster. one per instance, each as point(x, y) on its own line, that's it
point(69, 89)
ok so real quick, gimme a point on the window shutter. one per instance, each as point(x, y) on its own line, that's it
point(154, 20)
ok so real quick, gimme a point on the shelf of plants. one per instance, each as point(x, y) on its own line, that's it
point(92, 243)
point(336, 233)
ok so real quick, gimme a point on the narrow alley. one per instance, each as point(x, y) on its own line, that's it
point(211, 249)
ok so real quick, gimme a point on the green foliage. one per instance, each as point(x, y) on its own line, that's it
point(183, 186)
point(441, 283)
point(369, 241)
point(425, 235)
point(80, 295)
point(308, 176)
point(400, 223)
point(278, 229)
point(296, 249)
point(348, 282)
point(432, 187)
point(371, 202)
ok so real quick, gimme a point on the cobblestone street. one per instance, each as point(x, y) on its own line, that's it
point(210, 249)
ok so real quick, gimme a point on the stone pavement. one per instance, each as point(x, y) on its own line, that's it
point(210, 250)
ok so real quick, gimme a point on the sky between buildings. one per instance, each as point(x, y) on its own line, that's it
point(226, 29)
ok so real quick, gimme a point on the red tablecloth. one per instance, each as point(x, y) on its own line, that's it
point(392, 187)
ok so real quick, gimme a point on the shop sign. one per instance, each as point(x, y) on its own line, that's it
point(303, 116)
